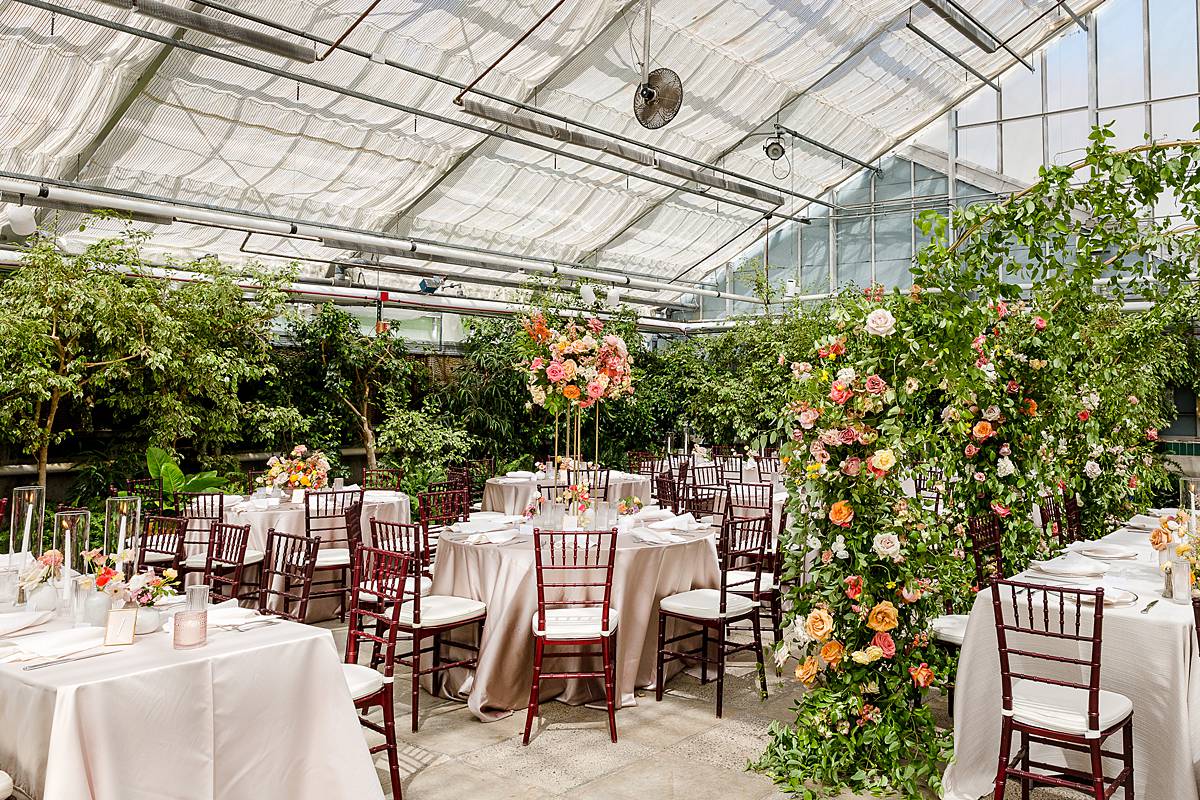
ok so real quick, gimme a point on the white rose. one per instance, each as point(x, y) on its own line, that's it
point(846, 374)
point(887, 545)
point(1004, 467)
point(991, 413)
point(880, 322)
point(1092, 470)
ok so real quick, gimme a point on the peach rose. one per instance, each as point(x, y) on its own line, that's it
point(1159, 539)
point(841, 513)
point(982, 430)
point(571, 391)
point(832, 652)
point(883, 617)
point(885, 643)
point(806, 672)
point(819, 624)
point(922, 676)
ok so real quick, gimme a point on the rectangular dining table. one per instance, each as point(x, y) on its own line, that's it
point(1152, 658)
point(257, 715)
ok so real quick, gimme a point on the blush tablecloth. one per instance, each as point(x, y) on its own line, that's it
point(1150, 658)
point(503, 577)
point(513, 495)
point(260, 715)
point(289, 517)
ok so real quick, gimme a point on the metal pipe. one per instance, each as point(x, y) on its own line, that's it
point(380, 59)
point(827, 148)
point(459, 97)
point(367, 98)
point(962, 21)
point(335, 45)
point(948, 54)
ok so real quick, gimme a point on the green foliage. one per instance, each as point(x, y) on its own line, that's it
point(423, 443)
point(162, 466)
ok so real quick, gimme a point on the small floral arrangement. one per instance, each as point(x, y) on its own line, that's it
point(1171, 528)
point(46, 568)
point(577, 497)
point(147, 588)
point(534, 507)
point(302, 469)
point(629, 505)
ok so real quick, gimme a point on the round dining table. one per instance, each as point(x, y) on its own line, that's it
point(288, 517)
point(503, 576)
point(511, 494)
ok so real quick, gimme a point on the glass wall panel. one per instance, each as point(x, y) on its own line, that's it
point(814, 253)
point(893, 249)
point(714, 307)
point(978, 146)
point(981, 107)
point(1129, 124)
point(1067, 72)
point(1022, 149)
point(853, 251)
point(1172, 48)
point(781, 255)
point(929, 186)
point(746, 269)
point(1021, 91)
point(1066, 136)
point(896, 181)
point(856, 190)
point(1174, 119)
point(1121, 70)
point(934, 134)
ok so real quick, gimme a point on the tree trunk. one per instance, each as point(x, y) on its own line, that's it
point(47, 431)
point(368, 435)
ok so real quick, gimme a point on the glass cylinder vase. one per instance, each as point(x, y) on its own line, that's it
point(27, 523)
point(122, 521)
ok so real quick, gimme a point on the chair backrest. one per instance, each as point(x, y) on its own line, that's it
point(443, 507)
point(200, 510)
point(1072, 518)
point(750, 499)
point(706, 475)
point(287, 574)
point(328, 516)
point(742, 546)
point(401, 537)
point(731, 468)
point(667, 491)
point(252, 476)
point(378, 592)
point(478, 471)
point(986, 532)
point(721, 451)
point(161, 536)
point(388, 479)
point(641, 462)
point(1055, 627)
point(596, 479)
point(150, 490)
point(453, 485)
point(225, 559)
point(574, 570)
point(1054, 524)
point(770, 451)
point(459, 478)
point(927, 486)
point(705, 501)
point(768, 468)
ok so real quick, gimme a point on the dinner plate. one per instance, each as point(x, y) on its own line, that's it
point(1107, 552)
point(1034, 575)
point(1114, 597)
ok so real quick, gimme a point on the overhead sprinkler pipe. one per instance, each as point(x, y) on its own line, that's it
point(459, 97)
point(44, 194)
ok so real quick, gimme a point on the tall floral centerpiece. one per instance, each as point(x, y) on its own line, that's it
point(571, 370)
point(301, 469)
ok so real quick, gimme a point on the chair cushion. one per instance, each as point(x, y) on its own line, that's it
point(575, 623)
point(1064, 708)
point(950, 628)
point(705, 604)
point(426, 585)
point(333, 557)
point(196, 560)
point(442, 609)
point(158, 558)
point(361, 681)
point(742, 581)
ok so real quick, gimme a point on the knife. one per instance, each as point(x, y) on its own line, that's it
point(68, 660)
point(1149, 606)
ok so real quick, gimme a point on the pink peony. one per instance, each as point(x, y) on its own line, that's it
point(875, 384)
point(852, 466)
point(884, 641)
point(1000, 510)
point(808, 418)
point(840, 393)
point(555, 372)
point(1039, 323)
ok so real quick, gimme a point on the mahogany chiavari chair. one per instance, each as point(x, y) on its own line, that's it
point(574, 590)
point(151, 492)
point(731, 468)
point(667, 491)
point(769, 468)
point(225, 560)
point(334, 519)
point(199, 512)
point(768, 590)
point(740, 547)
point(376, 602)
point(719, 451)
point(436, 511)
point(1072, 518)
point(928, 483)
point(160, 545)
point(407, 538)
point(385, 479)
point(1057, 630)
point(285, 583)
point(750, 499)
point(252, 480)
point(637, 460)
point(704, 501)
point(459, 478)
point(706, 475)
point(478, 471)
point(1053, 524)
point(770, 451)
point(596, 479)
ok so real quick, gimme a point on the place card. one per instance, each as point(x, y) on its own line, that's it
point(119, 628)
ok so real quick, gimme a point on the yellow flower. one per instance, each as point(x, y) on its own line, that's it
point(884, 459)
point(872, 653)
point(883, 617)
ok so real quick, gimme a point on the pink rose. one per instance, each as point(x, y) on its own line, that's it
point(536, 363)
point(980, 477)
point(854, 587)
point(1039, 323)
point(821, 456)
point(595, 390)
point(875, 384)
point(1152, 434)
point(981, 362)
point(1013, 387)
point(840, 393)
point(852, 466)
point(555, 372)
point(883, 640)
point(911, 595)
point(595, 325)
point(977, 343)
point(971, 451)
point(1005, 449)
point(1000, 510)
point(808, 418)
point(849, 436)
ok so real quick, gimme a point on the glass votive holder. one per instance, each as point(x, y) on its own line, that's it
point(10, 581)
point(191, 629)
point(197, 597)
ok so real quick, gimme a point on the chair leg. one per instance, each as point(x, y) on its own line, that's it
point(608, 648)
point(389, 724)
point(1024, 765)
point(1097, 770)
point(704, 655)
point(658, 675)
point(1127, 756)
point(532, 710)
point(720, 665)
point(344, 576)
point(437, 662)
point(1002, 765)
point(758, 652)
point(416, 679)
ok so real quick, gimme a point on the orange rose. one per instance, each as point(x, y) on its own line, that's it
point(922, 676)
point(982, 430)
point(571, 391)
point(819, 624)
point(807, 671)
point(1030, 407)
point(832, 651)
point(841, 513)
point(1159, 539)
point(883, 617)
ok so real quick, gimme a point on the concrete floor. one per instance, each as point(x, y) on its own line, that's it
point(673, 750)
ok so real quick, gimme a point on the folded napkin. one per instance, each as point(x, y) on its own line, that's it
point(684, 522)
point(779, 497)
point(11, 623)
point(227, 613)
point(378, 495)
point(350, 487)
point(491, 537)
point(519, 473)
point(656, 537)
point(1072, 564)
point(652, 514)
point(58, 644)
point(485, 525)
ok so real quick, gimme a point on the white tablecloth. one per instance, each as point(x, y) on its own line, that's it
point(289, 517)
point(512, 495)
point(1150, 658)
point(260, 715)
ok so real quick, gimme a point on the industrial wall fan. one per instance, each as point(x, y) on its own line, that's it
point(660, 93)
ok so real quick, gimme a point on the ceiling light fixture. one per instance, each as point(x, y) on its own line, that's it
point(774, 148)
